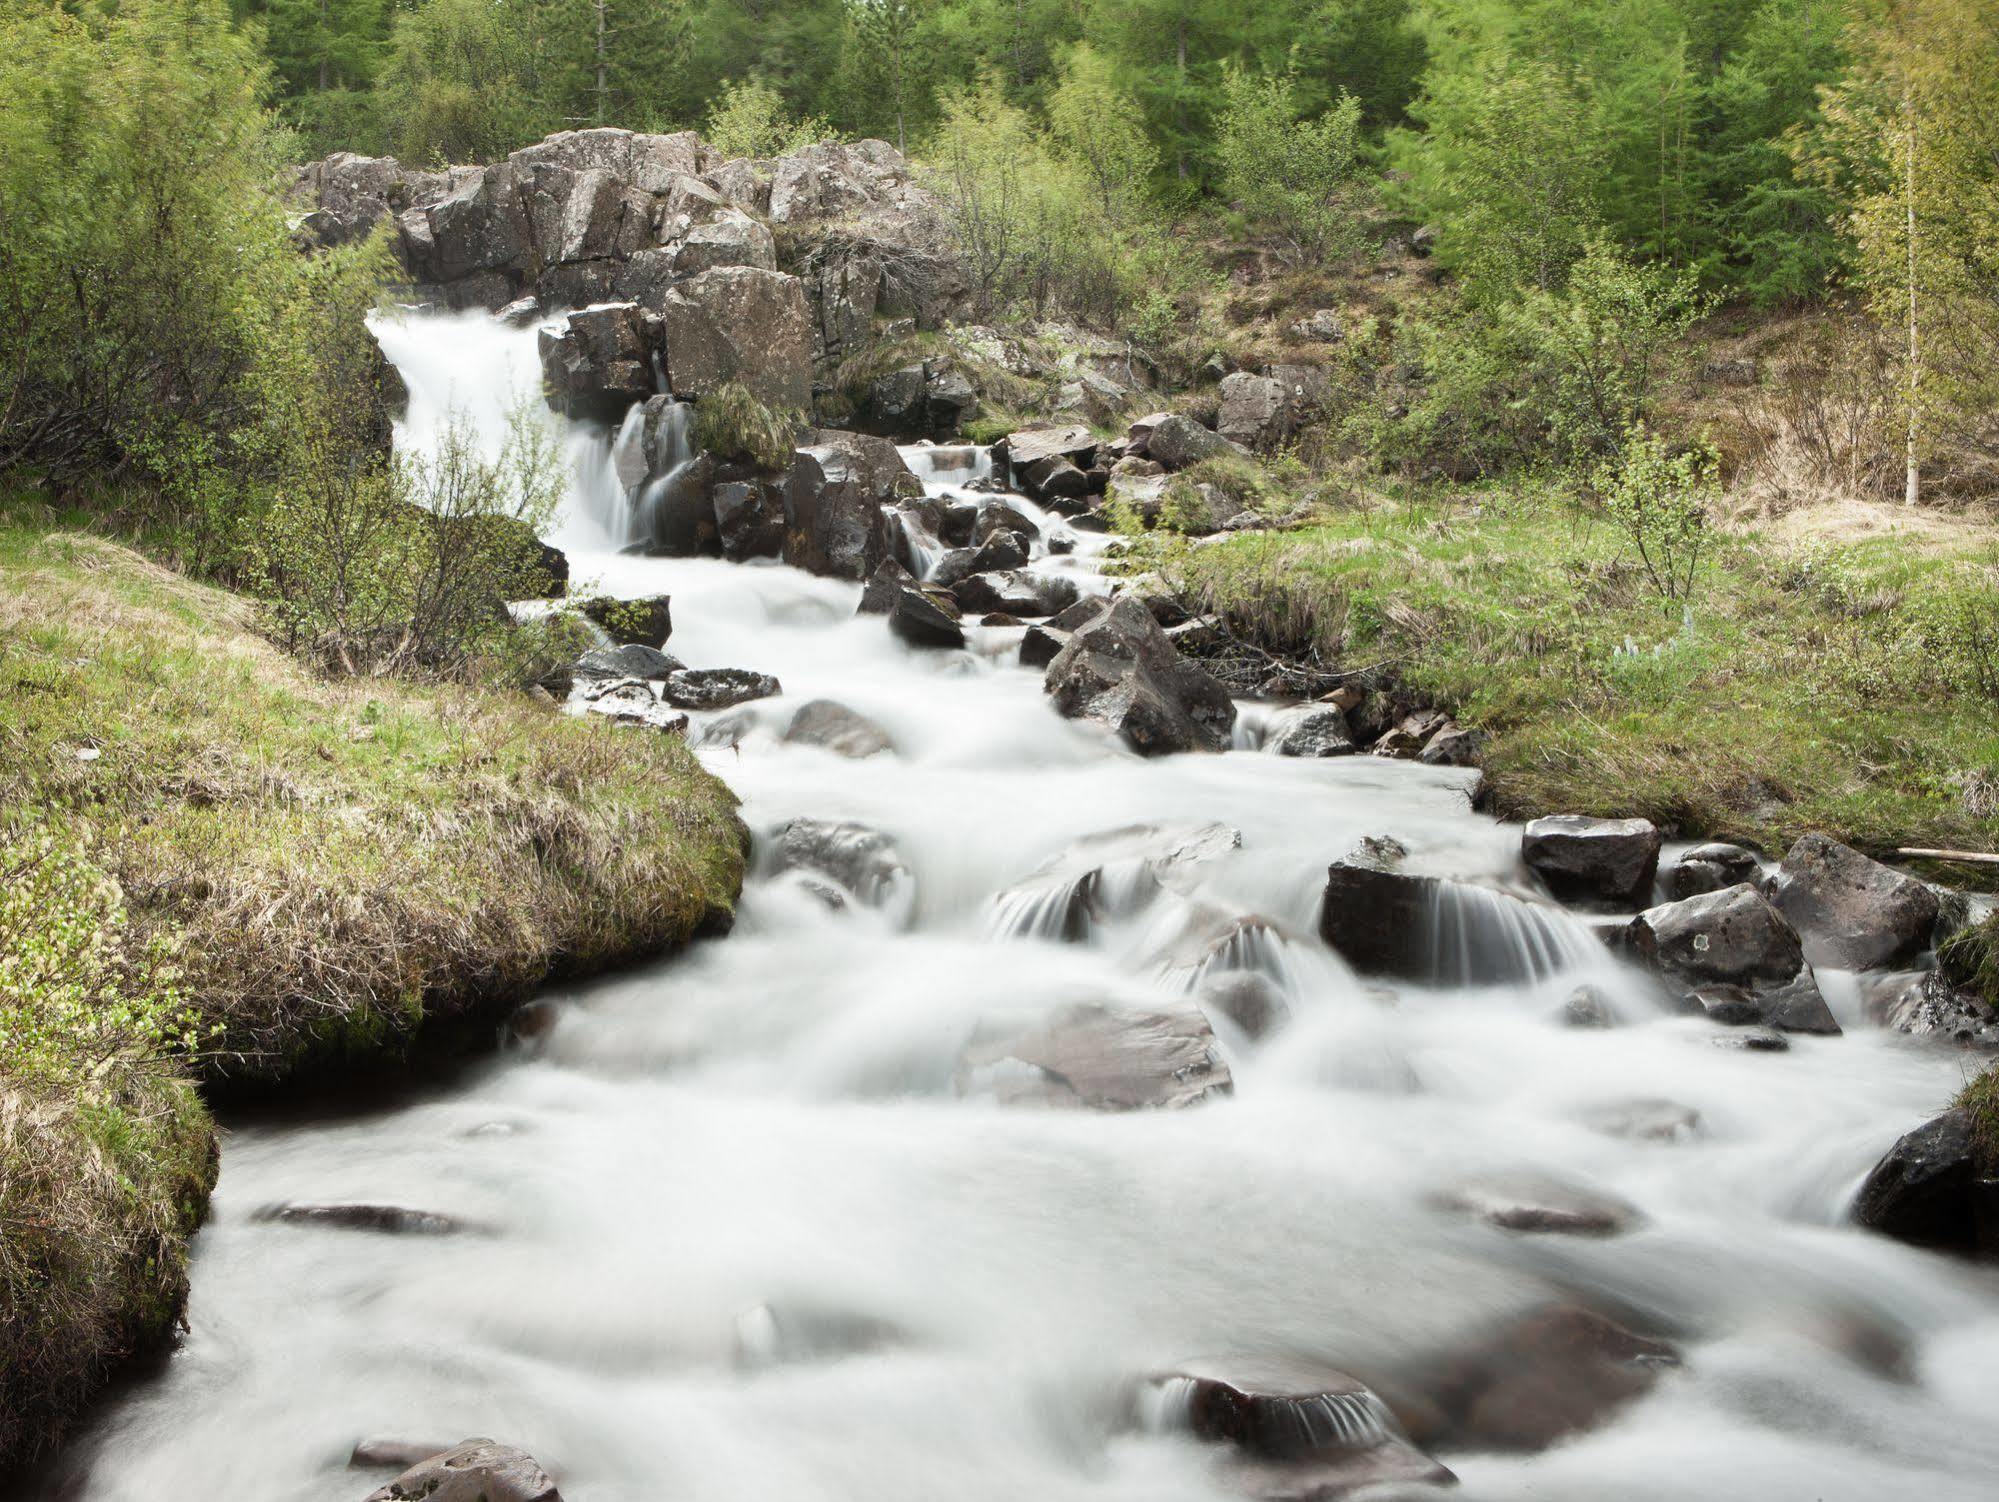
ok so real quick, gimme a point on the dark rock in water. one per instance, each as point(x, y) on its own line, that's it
point(1041, 645)
point(834, 500)
point(1926, 1006)
point(863, 861)
point(1249, 1000)
point(1108, 874)
point(1586, 1007)
point(1853, 912)
point(1119, 669)
point(1798, 1006)
point(1538, 1379)
point(631, 660)
point(1054, 478)
point(1017, 593)
point(1754, 1040)
point(1000, 553)
point(1936, 1188)
point(599, 363)
point(770, 1334)
point(744, 325)
point(749, 519)
point(1300, 1432)
point(718, 688)
point(1318, 730)
point(1383, 921)
point(1530, 1204)
point(645, 622)
point(1729, 1005)
point(388, 1220)
point(1710, 868)
point(837, 728)
point(475, 1470)
point(1099, 1058)
point(376, 1453)
point(912, 614)
point(1608, 861)
point(1645, 1120)
point(1730, 935)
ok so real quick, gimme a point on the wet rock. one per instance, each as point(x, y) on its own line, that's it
point(1384, 921)
point(1648, 1119)
point(645, 622)
point(912, 614)
point(836, 728)
point(476, 1470)
point(1926, 1006)
point(834, 497)
point(1600, 861)
point(1001, 516)
point(1753, 1040)
point(1553, 1373)
point(1000, 553)
point(1119, 669)
point(521, 313)
point(1250, 1000)
point(1936, 1188)
point(1098, 1058)
point(599, 362)
point(1041, 645)
point(1018, 592)
point(1109, 874)
point(1173, 441)
point(386, 1220)
point(1710, 868)
point(1313, 730)
point(629, 660)
point(743, 325)
point(1586, 1007)
point(749, 519)
point(376, 1453)
point(718, 688)
point(1532, 1205)
point(1798, 1006)
point(863, 861)
point(1299, 1431)
point(1853, 912)
point(1732, 935)
point(1731, 1006)
point(1052, 451)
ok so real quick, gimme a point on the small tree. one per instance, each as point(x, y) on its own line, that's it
point(1662, 501)
point(1097, 126)
point(749, 118)
point(888, 31)
point(1303, 177)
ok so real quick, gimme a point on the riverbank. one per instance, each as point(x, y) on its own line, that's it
point(290, 874)
point(1839, 680)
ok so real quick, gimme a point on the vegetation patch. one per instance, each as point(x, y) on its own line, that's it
point(732, 422)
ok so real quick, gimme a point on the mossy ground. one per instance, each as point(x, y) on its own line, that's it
point(337, 863)
point(1803, 687)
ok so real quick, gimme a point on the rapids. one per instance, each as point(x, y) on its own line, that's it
point(738, 1233)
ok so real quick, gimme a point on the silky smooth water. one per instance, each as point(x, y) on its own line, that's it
point(740, 1236)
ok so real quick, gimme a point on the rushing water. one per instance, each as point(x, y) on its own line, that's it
point(745, 1227)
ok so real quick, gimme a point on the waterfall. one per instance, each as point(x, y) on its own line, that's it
point(1480, 937)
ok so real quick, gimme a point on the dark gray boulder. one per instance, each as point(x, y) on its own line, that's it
point(1016, 592)
point(599, 362)
point(741, 325)
point(1853, 912)
point(1119, 669)
point(834, 497)
point(475, 1470)
point(1314, 730)
point(749, 519)
point(1936, 1187)
point(1731, 935)
point(1606, 862)
point(912, 614)
point(1174, 441)
point(717, 688)
point(1709, 868)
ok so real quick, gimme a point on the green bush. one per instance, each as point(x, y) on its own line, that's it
point(731, 423)
point(1303, 178)
point(749, 118)
point(1662, 500)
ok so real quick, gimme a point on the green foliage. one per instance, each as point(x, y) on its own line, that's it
point(732, 423)
point(1096, 127)
point(1663, 502)
point(1301, 177)
point(458, 85)
point(749, 119)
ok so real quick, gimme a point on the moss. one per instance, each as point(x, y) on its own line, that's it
point(731, 423)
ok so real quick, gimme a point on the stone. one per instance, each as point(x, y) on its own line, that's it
point(1256, 411)
point(1731, 935)
point(1646, 1119)
point(1042, 644)
point(646, 621)
point(387, 1220)
point(1452, 745)
point(1852, 912)
point(376, 1452)
point(1001, 552)
point(1319, 327)
point(475, 1470)
point(749, 519)
point(863, 861)
point(1017, 592)
point(631, 660)
point(741, 325)
point(1709, 868)
point(912, 615)
point(1530, 1204)
point(1607, 862)
point(1385, 921)
point(1927, 1006)
point(730, 239)
point(1935, 1188)
point(1313, 730)
point(1587, 1007)
point(1248, 999)
point(717, 688)
point(1173, 441)
point(1099, 1058)
point(1119, 669)
point(834, 498)
point(1753, 1040)
point(598, 363)
point(836, 728)
point(1030, 446)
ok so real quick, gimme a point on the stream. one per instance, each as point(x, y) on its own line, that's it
point(751, 1223)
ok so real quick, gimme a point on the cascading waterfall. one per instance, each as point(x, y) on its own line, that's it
point(733, 1226)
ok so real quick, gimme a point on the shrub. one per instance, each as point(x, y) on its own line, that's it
point(1301, 177)
point(731, 423)
point(749, 118)
point(1661, 500)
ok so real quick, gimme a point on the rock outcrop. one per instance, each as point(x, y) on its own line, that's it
point(1119, 669)
point(834, 497)
point(1935, 1188)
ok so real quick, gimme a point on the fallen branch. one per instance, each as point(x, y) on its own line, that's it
point(1972, 857)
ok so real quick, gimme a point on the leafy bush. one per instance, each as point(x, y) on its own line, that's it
point(1302, 177)
point(749, 118)
point(1661, 501)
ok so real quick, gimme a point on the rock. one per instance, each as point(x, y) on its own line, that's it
point(1709, 868)
point(1753, 1040)
point(1452, 745)
point(1797, 1006)
point(1173, 441)
point(717, 688)
point(1256, 411)
point(375, 1452)
point(1001, 553)
point(1110, 874)
point(834, 497)
point(1731, 1006)
point(521, 313)
point(1017, 592)
point(1053, 479)
point(1611, 862)
point(1313, 730)
point(1532, 1205)
point(743, 325)
point(475, 1470)
point(836, 728)
point(1927, 1006)
point(749, 519)
point(912, 615)
point(1119, 669)
point(1853, 912)
point(1731, 935)
point(999, 515)
point(479, 226)
point(768, 1334)
point(1030, 446)
point(1737, 372)
point(1934, 1188)
point(632, 703)
point(631, 660)
point(730, 239)
point(1319, 327)
point(1098, 1058)
point(388, 1220)
point(1586, 1007)
point(1383, 921)
point(861, 860)
point(1300, 1432)
point(599, 362)
point(1248, 999)
point(1041, 645)
point(646, 621)
point(1647, 1119)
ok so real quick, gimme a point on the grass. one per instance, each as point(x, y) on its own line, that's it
point(731, 422)
point(1802, 688)
point(1981, 1098)
point(330, 866)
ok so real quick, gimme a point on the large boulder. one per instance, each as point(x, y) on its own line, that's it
point(743, 325)
point(1936, 1188)
point(863, 861)
point(476, 1470)
point(1174, 441)
point(1709, 868)
point(582, 215)
point(912, 615)
point(1014, 592)
point(599, 363)
point(1119, 669)
point(1610, 862)
point(1853, 912)
point(834, 497)
point(1733, 935)
point(479, 226)
point(730, 239)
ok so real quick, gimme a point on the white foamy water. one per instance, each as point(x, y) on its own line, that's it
point(742, 1237)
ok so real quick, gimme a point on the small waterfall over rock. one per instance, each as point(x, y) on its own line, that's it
point(1482, 937)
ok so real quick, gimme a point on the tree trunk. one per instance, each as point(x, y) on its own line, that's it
point(323, 29)
point(1180, 99)
point(1912, 480)
point(603, 79)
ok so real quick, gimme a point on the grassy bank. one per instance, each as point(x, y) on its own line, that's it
point(233, 872)
point(1843, 681)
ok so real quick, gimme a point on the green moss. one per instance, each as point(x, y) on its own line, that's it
point(731, 423)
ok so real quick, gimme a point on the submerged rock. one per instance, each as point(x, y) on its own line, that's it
point(1097, 1057)
point(1119, 669)
point(1531, 1204)
point(863, 861)
point(1247, 998)
point(1935, 1188)
point(771, 1334)
point(1606, 861)
point(387, 1220)
point(475, 1470)
point(1385, 921)
point(1853, 912)
point(836, 728)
